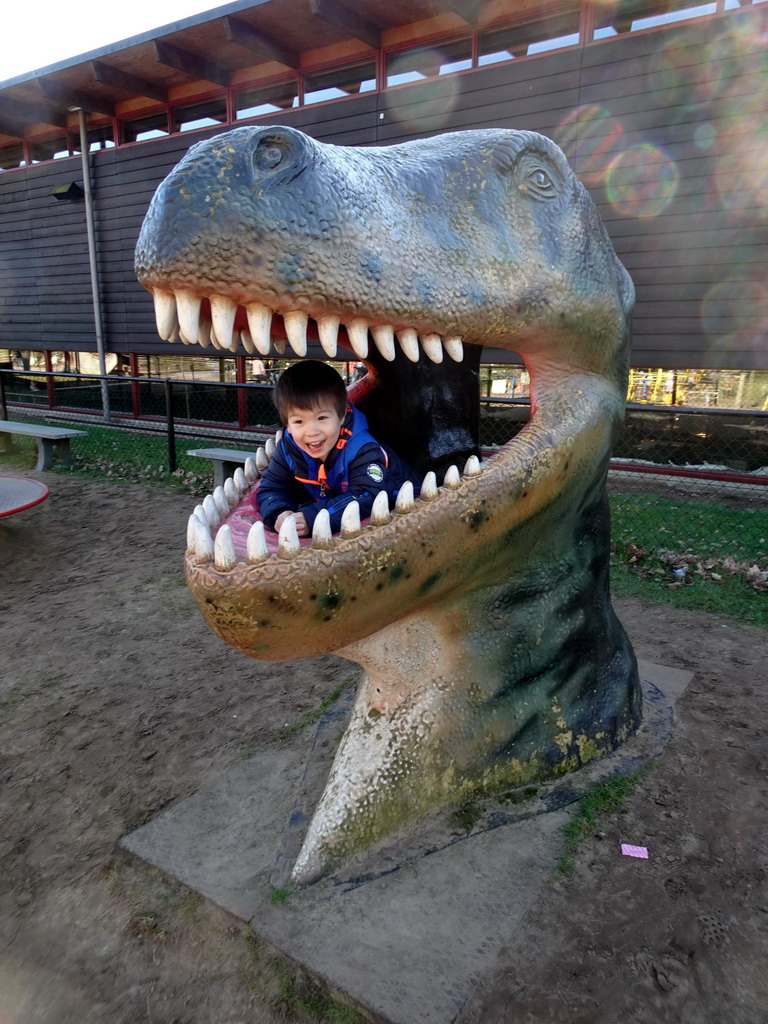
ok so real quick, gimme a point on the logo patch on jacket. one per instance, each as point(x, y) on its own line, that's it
point(375, 472)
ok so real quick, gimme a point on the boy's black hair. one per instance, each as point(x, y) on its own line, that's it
point(305, 385)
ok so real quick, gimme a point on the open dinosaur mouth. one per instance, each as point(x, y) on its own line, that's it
point(410, 411)
point(224, 530)
point(220, 321)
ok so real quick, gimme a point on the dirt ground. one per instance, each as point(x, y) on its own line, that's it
point(116, 700)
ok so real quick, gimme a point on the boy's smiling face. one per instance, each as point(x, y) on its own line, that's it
point(315, 431)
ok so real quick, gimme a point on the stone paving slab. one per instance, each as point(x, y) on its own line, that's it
point(409, 942)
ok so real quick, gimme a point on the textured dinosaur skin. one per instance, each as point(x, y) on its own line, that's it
point(481, 611)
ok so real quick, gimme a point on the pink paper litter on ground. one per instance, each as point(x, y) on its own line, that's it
point(634, 851)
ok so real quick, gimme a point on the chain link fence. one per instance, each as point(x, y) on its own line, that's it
point(689, 487)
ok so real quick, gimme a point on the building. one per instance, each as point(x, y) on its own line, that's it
point(660, 105)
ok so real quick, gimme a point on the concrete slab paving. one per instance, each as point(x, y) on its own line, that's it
point(409, 932)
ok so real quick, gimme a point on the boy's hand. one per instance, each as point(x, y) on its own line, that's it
point(302, 529)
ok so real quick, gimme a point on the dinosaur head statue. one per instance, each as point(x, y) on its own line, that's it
point(480, 611)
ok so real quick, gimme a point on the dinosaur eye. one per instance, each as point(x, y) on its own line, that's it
point(538, 181)
point(268, 156)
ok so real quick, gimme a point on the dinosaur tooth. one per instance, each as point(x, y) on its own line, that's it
point(200, 513)
point(188, 309)
point(247, 340)
point(452, 478)
point(288, 545)
point(240, 480)
point(280, 346)
point(220, 500)
point(204, 333)
point(262, 460)
point(191, 523)
point(472, 466)
point(328, 331)
point(224, 555)
point(380, 514)
point(251, 470)
point(223, 312)
point(384, 336)
point(454, 346)
point(259, 323)
point(429, 487)
point(269, 447)
point(350, 520)
point(432, 346)
point(231, 492)
point(405, 501)
point(256, 544)
point(211, 511)
point(174, 334)
point(409, 343)
point(357, 332)
point(321, 530)
point(203, 542)
point(278, 436)
point(296, 329)
point(165, 312)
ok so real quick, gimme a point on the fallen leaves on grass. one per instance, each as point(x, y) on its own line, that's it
point(189, 481)
point(688, 567)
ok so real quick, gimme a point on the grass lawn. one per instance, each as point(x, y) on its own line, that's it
point(691, 555)
point(140, 457)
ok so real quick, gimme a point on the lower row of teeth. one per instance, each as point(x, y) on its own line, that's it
point(178, 315)
point(209, 544)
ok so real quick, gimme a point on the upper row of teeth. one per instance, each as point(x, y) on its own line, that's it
point(208, 544)
point(178, 316)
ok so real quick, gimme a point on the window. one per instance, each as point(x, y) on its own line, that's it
point(101, 137)
point(267, 99)
point(12, 156)
point(551, 33)
point(206, 114)
point(428, 62)
point(634, 15)
point(50, 149)
point(151, 127)
point(338, 82)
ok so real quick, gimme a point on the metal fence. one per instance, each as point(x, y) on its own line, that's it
point(689, 486)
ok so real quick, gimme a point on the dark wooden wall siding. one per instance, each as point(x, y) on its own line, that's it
point(696, 96)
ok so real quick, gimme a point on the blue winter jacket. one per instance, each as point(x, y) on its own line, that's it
point(355, 470)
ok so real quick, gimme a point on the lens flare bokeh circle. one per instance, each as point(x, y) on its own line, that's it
point(642, 181)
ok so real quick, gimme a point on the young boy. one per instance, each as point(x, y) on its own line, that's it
point(326, 457)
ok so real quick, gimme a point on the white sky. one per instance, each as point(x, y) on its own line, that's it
point(36, 33)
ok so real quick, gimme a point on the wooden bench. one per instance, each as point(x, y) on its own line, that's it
point(225, 461)
point(52, 442)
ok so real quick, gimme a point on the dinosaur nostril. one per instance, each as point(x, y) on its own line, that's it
point(268, 156)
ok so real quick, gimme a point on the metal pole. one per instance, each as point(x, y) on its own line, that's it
point(3, 406)
point(171, 426)
point(95, 292)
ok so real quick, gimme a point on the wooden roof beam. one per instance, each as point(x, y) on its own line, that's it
point(335, 13)
point(65, 97)
point(10, 127)
point(18, 113)
point(466, 9)
point(191, 64)
point(258, 42)
point(106, 74)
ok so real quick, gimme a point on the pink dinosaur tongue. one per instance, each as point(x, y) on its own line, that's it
point(241, 519)
point(244, 515)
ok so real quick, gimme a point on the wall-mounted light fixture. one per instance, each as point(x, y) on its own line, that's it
point(69, 192)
